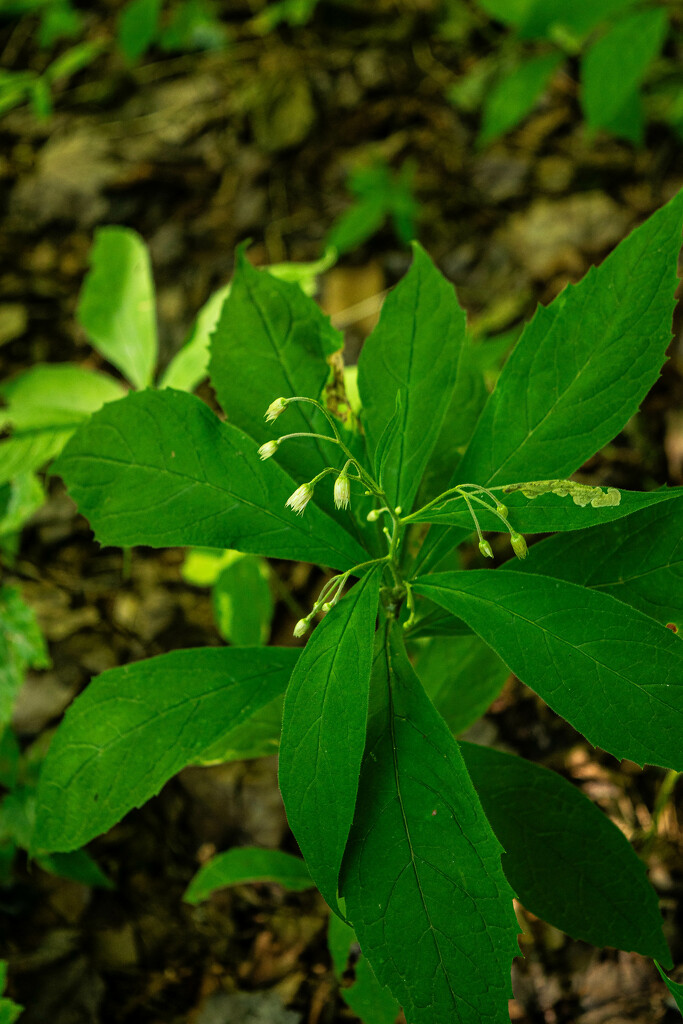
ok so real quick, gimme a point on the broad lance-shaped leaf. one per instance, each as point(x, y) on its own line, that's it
point(323, 732)
point(564, 858)
point(245, 864)
point(583, 364)
point(581, 368)
point(134, 727)
point(638, 560)
point(415, 349)
point(422, 877)
point(271, 341)
point(160, 468)
point(548, 513)
point(117, 306)
point(615, 674)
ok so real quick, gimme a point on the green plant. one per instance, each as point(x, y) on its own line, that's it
point(379, 194)
point(9, 1010)
point(402, 828)
point(616, 42)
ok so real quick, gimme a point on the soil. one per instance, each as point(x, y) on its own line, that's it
point(198, 152)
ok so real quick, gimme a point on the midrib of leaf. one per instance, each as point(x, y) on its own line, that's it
point(406, 828)
point(566, 394)
point(537, 623)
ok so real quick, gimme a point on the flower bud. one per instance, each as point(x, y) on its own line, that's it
point(518, 544)
point(275, 408)
point(373, 515)
point(486, 549)
point(301, 627)
point(300, 499)
point(268, 449)
point(342, 491)
point(502, 510)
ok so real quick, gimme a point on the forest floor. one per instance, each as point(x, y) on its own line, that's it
point(198, 152)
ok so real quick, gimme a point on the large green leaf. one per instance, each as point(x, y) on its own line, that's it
point(546, 513)
point(583, 364)
point(462, 676)
point(248, 864)
point(580, 369)
point(243, 603)
point(323, 732)
point(638, 560)
point(564, 858)
point(29, 450)
point(159, 468)
point(515, 95)
point(271, 341)
point(615, 65)
point(136, 726)
point(615, 674)
point(414, 350)
point(117, 306)
point(421, 877)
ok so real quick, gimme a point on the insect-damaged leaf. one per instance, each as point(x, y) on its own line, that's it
point(323, 732)
point(421, 877)
point(615, 674)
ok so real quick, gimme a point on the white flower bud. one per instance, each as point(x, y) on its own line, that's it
point(342, 491)
point(275, 409)
point(300, 499)
point(268, 449)
point(301, 627)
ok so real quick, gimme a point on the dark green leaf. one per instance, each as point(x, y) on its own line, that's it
point(271, 342)
point(136, 726)
point(323, 732)
point(638, 560)
point(159, 468)
point(615, 674)
point(258, 737)
point(598, 347)
point(564, 858)
point(21, 645)
point(515, 95)
point(580, 16)
point(117, 307)
point(415, 349)
point(616, 64)
point(422, 879)
point(462, 677)
point(248, 864)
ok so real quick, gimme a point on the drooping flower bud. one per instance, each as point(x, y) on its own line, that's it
point(275, 409)
point(486, 549)
point(302, 627)
point(342, 491)
point(268, 449)
point(300, 499)
point(502, 510)
point(518, 544)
